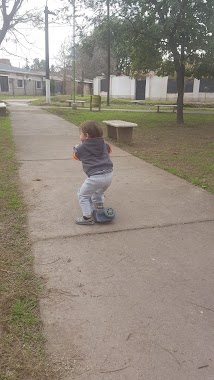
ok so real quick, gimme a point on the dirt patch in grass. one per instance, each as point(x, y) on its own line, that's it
point(186, 151)
point(21, 337)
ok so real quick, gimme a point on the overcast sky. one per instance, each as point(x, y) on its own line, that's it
point(57, 35)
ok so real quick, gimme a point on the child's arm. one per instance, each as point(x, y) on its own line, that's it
point(75, 153)
point(109, 148)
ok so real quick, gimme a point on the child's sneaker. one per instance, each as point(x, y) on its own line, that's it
point(81, 220)
point(98, 206)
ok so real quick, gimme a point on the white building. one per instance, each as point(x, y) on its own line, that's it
point(154, 88)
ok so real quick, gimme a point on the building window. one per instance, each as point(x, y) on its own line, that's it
point(20, 83)
point(38, 85)
point(4, 87)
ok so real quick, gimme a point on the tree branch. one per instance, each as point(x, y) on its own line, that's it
point(10, 20)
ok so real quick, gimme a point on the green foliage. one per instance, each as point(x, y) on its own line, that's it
point(166, 68)
point(38, 65)
point(180, 30)
point(165, 36)
point(172, 31)
point(157, 35)
point(171, 170)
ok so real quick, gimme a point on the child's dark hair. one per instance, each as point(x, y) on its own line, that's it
point(92, 128)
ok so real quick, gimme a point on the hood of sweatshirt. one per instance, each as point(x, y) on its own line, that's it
point(94, 145)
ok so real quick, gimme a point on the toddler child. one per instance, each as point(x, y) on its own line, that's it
point(93, 152)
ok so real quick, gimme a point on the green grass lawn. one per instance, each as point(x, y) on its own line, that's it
point(61, 101)
point(119, 103)
point(186, 151)
point(115, 103)
point(22, 343)
point(5, 97)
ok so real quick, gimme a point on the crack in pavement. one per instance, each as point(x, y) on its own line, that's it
point(158, 226)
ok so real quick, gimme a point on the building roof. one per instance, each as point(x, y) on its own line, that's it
point(56, 76)
point(12, 69)
point(9, 68)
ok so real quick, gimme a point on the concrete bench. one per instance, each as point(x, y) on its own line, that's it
point(174, 107)
point(2, 109)
point(70, 102)
point(120, 130)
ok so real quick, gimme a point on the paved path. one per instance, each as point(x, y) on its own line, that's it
point(132, 300)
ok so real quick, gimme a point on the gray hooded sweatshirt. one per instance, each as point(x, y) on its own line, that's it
point(94, 155)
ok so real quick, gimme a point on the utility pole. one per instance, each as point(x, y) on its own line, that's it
point(47, 12)
point(109, 54)
point(74, 55)
point(82, 92)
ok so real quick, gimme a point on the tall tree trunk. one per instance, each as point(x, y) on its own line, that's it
point(180, 87)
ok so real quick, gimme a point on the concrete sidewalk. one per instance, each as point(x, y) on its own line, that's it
point(132, 300)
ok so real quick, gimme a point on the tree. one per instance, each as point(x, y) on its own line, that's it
point(52, 69)
point(38, 65)
point(63, 64)
point(14, 12)
point(174, 31)
point(90, 64)
point(26, 66)
point(92, 52)
point(91, 55)
point(167, 36)
point(119, 42)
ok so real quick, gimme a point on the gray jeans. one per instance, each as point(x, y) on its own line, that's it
point(92, 191)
